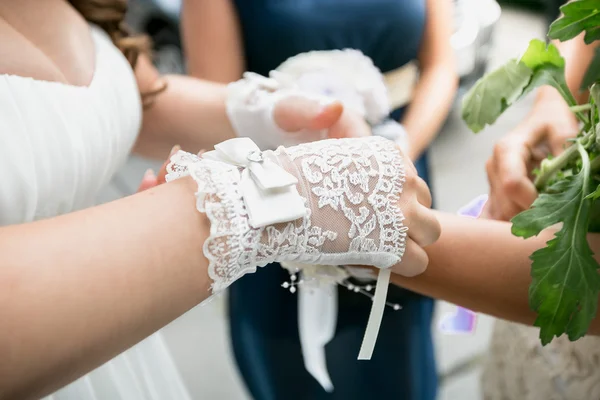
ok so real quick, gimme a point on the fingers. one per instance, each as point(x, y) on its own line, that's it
point(423, 226)
point(148, 181)
point(415, 202)
point(508, 170)
point(414, 261)
point(295, 113)
point(349, 125)
point(423, 192)
point(512, 168)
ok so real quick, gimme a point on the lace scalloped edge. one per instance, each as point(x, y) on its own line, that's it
point(228, 211)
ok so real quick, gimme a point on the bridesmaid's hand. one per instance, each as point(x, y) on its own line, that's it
point(293, 114)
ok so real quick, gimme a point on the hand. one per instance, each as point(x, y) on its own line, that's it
point(295, 114)
point(424, 228)
point(272, 116)
point(360, 202)
point(509, 170)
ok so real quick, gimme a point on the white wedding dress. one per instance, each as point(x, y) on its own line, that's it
point(59, 145)
point(519, 368)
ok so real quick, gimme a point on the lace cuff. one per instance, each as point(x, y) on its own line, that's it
point(350, 190)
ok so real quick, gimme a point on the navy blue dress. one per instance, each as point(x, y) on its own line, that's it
point(264, 328)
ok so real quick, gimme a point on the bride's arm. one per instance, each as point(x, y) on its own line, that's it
point(78, 289)
point(190, 112)
point(480, 265)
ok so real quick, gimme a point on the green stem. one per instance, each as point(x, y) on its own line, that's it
point(565, 92)
point(551, 167)
point(581, 107)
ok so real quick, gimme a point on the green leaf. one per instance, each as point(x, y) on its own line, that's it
point(565, 281)
point(548, 68)
point(592, 74)
point(494, 93)
point(539, 55)
point(578, 16)
point(498, 90)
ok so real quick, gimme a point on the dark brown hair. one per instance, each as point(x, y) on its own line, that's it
point(110, 16)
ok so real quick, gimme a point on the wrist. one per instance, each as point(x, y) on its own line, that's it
point(547, 95)
point(550, 108)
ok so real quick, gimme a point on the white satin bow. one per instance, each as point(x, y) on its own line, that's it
point(268, 190)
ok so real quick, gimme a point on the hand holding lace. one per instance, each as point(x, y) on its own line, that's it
point(361, 205)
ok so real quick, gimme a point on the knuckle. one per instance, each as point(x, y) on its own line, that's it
point(411, 179)
point(510, 185)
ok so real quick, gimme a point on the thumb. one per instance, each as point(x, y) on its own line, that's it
point(296, 113)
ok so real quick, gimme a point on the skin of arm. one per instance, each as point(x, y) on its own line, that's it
point(68, 304)
point(212, 40)
point(480, 265)
point(438, 79)
point(190, 112)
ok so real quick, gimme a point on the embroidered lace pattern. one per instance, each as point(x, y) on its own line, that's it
point(350, 188)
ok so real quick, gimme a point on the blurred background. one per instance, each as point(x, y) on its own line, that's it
point(487, 33)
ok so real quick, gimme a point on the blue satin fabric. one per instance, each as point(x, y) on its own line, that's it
point(264, 328)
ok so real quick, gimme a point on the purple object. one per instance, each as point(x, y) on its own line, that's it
point(474, 207)
point(463, 320)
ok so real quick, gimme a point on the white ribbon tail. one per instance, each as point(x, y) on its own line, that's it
point(317, 319)
point(376, 315)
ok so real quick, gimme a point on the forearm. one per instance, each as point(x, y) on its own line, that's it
point(191, 113)
point(79, 289)
point(480, 265)
point(429, 107)
point(212, 40)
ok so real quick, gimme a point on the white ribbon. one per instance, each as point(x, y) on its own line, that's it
point(317, 320)
point(269, 191)
point(376, 315)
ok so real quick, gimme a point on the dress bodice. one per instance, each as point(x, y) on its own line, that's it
point(60, 144)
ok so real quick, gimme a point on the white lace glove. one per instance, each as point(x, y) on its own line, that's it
point(344, 75)
point(332, 202)
point(250, 107)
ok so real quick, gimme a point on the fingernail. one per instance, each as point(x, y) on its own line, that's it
point(149, 174)
point(174, 150)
